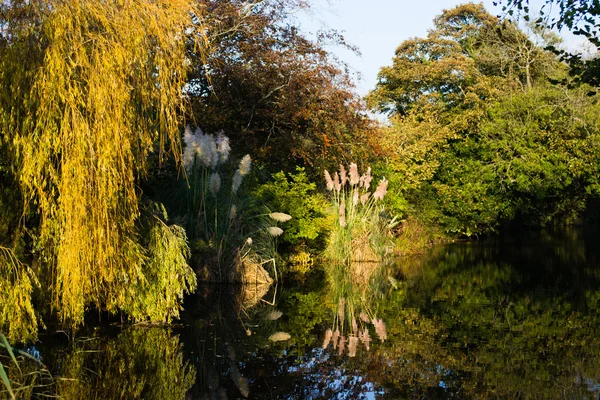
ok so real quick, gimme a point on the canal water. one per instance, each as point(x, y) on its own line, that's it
point(510, 318)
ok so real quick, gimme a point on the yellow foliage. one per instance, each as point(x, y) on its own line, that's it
point(413, 145)
point(17, 316)
point(166, 276)
point(107, 93)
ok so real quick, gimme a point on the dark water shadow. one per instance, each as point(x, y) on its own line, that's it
point(507, 319)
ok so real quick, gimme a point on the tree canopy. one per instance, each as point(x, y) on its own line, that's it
point(581, 17)
point(478, 135)
point(279, 95)
point(98, 92)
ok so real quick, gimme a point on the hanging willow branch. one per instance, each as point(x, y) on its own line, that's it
point(106, 94)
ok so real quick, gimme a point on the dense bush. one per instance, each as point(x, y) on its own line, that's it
point(295, 195)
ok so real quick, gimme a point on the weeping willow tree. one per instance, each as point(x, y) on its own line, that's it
point(91, 89)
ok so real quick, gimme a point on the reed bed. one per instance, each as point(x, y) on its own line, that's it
point(23, 376)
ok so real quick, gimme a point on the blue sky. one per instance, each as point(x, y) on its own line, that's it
point(377, 27)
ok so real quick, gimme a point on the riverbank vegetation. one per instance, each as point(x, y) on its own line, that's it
point(149, 145)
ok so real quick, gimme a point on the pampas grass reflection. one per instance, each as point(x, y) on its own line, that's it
point(348, 330)
point(356, 251)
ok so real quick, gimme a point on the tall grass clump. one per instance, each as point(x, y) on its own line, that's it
point(228, 240)
point(23, 376)
point(261, 252)
point(359, 236)
point(359, 241)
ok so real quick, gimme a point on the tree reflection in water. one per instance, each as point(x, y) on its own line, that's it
point(510, 319)
point(137, 363)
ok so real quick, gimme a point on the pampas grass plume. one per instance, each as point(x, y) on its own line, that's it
point(245, 165)
point(365, 338)
point(381, 189)
point(341, 309)
point(364, 198)
point(352, 345)
point(274, 231)
point(203, 147)
point(343, 175)
point(336, 182)
point(279, 337)
point(364, 317)
point(343, 213)
point(189, 153)
point(223, 147)
point(365, 180)
point(328, 181)
point(214, 184)
point(273, 315)
point(236, 181)
point(206, 148)
point(336, 335)
point(213, 153)
point(380, 329)
point(328, 335)
point(341, 345)
point(280, 217)
point(354, 177)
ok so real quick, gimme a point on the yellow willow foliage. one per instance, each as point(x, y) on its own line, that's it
point(166, 275)
point(17, 316)
point(140, 363)
point(106, 94)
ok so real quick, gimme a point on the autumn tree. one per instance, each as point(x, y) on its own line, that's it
point(90, 90)
point(276, 93)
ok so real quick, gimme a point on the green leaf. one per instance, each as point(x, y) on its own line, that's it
point(5, 380)
point(8, 348)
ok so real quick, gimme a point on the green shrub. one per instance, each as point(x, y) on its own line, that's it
point(167, 276)
point(295, 195)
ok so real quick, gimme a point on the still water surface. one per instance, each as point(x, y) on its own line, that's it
point(512, 318)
